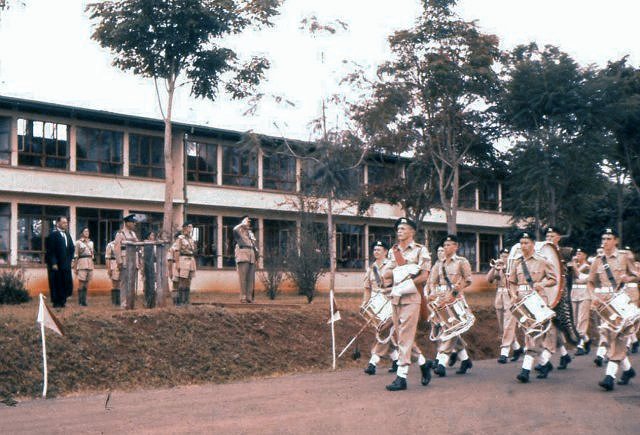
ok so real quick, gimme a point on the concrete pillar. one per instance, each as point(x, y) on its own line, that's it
point(13, 141)
point(500, 201)
point(71, 138)
point(367, 248)
point(260, 172)
point(125, 154)
point(298, 175)
point(261, 242)
point(13, 234)
point(219, 242)
point(477, 265)
point(73, 222)
point(219, 164)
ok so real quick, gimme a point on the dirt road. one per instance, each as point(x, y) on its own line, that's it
point(487, 400)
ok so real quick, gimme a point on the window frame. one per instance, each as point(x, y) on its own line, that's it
point(43, 155)
point(149, 146)
point(119, 165)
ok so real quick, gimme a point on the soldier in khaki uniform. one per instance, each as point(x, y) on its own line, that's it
point(448, 277)
point(184, 248)
point(126, 234)
point(113, 272)
point(581, 300)
point(632, 290)
point(379, 279)
point(172, 267)
point(406, 300)
point(83, 264)
point(540, 271)
point(609, 273)
point(246, 252)
point(502, 304)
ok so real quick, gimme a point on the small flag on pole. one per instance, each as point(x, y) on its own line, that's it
point(335, 313)
point(47, 318)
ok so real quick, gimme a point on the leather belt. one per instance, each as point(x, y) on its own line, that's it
point(186, 255)
point(245, 247)
point(111, 258)
point(85, 256)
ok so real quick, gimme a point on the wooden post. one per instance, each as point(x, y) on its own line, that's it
point(161, 276)
point(150, 275)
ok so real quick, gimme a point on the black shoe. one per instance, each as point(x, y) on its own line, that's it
point(464, 366)
point(394, 367)
point(545, 370)
point(426, 373)
point(398, 384)
point(538, 368)
point(626, 376)
point(564, 362)
point(579, 352)
point(502, 359)
point(370, 370)
point(516, 354)
point(607, 383)
point(452, 359)
point(599, 361)
point(440, 371)
point(587, 347)
point(523, 376)
point(635, 346)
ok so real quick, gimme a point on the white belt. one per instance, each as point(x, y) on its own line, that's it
point(579, 286)
point(524, 288)
point(502, 289)
point(632, 285)
point(603, 290)
point(442, 288)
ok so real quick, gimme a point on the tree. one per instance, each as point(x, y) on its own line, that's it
point(181, 42)
point(431, 101)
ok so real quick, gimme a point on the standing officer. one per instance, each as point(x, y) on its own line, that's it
point(184, 249)
point(83, 264)
point(449, 277)
point(502, 304)
point(609, 274)
point(172, 267)
point(406, 299)
point(113, 272)
point(246, 257)
point(581, 300)
point(59, 251)
point(126, 234)
point(379, 279)
point(530, 273)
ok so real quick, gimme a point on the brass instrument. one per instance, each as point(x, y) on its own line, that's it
point(497, 264)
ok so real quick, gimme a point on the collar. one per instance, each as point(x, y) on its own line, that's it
point(530, 256)
point(454, 257)
point(613, 254)
point(382, 263)
point(411, 245)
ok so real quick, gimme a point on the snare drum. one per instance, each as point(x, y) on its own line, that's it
point(533, 314)
point(450, 319)
point(618, 312)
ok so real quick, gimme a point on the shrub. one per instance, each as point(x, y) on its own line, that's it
point(13, 288)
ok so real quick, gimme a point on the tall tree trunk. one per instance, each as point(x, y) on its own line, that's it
point(332, 246)
point(619, 205)
point(167, 221)
point(452, 215)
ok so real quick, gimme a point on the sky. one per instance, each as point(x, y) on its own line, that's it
point(46, 54)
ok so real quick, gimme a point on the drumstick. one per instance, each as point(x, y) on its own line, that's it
point(355, 337)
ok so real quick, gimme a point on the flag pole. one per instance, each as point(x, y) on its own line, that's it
point(333, 329)
point(44, 353)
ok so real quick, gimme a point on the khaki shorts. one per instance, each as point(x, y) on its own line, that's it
point(85, 275)
point(186, 267)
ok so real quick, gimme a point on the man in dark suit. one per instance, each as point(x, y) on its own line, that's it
point(59, 255)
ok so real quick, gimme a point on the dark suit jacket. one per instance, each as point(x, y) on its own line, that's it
point(57, 252)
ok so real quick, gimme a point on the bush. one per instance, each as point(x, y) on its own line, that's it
point(12, 287)
point(273, 273)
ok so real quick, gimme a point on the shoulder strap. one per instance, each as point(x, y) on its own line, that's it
point(400, 260)
point(527, 275)
point(446, 277)
point(376, 275)
point(607, 268)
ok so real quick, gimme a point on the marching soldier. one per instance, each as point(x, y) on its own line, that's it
point(581, 300)
point(83, 264)
point(379, 278)
point(113, 272)
point(246, 252)
point(632, 291)
point(609, 273)
point(184, 248)
point(449, 277)
point(406, 300)
point(530, 273)
point(554, 235)
point(502, 304)
point(126, 234)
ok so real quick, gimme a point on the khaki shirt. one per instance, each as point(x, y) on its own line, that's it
point(414, 253)
point(246, 250)
point(385, 275)
point(579, 290)
point(84, 254)
point(619, 264)
point(110, 256)
point(184, 248)
point(458, 270)
point(121, 254)
point(541, 271)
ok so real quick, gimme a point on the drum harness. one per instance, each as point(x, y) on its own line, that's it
point(527, 275)
point(610, 277)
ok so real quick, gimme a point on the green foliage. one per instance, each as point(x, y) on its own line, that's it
point(274, 271)
point(13, 287)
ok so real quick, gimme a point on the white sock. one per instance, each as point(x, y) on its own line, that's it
point(463, 355)
point(375, 359)
point(421, 360)
point(394, 355)
point(442, 358)
point(504, 351)
point(515, 345)
point(403, 371)
point(581, 343)
point(527, 363)
point(626, 364)
point(563, 351)
point(602, 351)
point(545, 356)
point(634, 339)
point(612, 369)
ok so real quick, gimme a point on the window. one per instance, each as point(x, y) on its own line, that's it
point(488, 193)
point(102, 224)
point(5, 242)
point(43, 144)
point(228, 243)
point(5, 140)
point(239, 168)
point(146, 156)
point(467, 198)
point(279, 172)
point(205, 232)
point(349, 246)
point(353, 185)
point(384, 234)
point(278, 235)
point(202, 162)
point(148, 221)
point(35, 222)
point(489, 249)
point(99, 151)
point(467, 248)
point(310, 175)
point(383, 174)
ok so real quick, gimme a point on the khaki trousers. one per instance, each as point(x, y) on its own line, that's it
point(405, 321)
point(507, 328)
point(383, 350)
point(581, 313)
point(616, 344)
point(546, 341)
point(247, 274)
point(453, 345)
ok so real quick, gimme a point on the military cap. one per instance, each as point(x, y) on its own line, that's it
point(451, 238)
point(504, 251)
point(627, 248)
point(553, 230)
point(609, 232)
point(381, 244)
point(527, 235)
point(580, 250)
point(186, 224)
point(130, 218)
point(244, 216)
point(405, 221)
